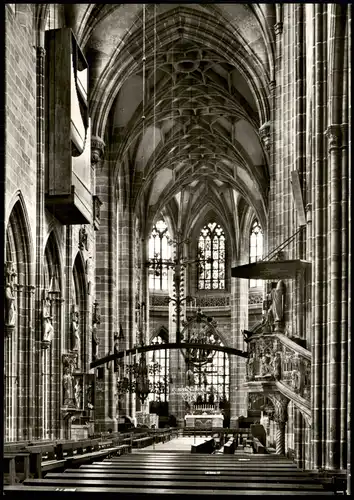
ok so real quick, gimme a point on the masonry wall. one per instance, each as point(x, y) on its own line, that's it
point(20, 110)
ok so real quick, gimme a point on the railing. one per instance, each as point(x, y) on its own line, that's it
point(205, 408)
point(275, 357)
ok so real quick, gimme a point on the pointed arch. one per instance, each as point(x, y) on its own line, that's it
point(18, 256)
point(79, 303)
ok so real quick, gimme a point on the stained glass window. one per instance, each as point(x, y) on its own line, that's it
point(211, 256)
point(158, 366)
point(210, 381)
point(159, 251)
point(256, 248)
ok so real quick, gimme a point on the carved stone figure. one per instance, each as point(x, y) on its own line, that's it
point(95, 341)
point(47, 326)
point(10, 307)
point(277, 366)
point(78, 394)
point(96, 320)
point(48, 330)
point(68, 392)
point(190, 378)
point(251, 367)
point(83, 238)
point(75, 330)
point(266, 367)
point(278, 298)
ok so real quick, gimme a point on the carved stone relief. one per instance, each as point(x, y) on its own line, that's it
point(280, 403)
point(270, 359)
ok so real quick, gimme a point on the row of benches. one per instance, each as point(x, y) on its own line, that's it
point(154, 474)
point(25, 459)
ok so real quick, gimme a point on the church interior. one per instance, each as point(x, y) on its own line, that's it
point(177, 302)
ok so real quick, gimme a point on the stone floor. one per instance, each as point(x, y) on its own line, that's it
point(180, 444)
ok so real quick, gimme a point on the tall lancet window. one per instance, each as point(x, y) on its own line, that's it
point(211, 256)
point(159, 252)
point(256, 248)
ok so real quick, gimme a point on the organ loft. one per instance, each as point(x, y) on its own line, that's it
point(177, 248)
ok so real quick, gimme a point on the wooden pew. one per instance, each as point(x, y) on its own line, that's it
point(258, 446)
point(16, 466)
point(43, 458)
point(134, 493)
point(142, 442)
point(206, 447)
point(214, 484)
point(229, 447)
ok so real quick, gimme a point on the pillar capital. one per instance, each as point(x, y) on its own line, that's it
point(334, 136)
point(278, 28)
point(97, 150)
point(272, 86)
point(40, 51)
point(280, 403)
point(264, 132)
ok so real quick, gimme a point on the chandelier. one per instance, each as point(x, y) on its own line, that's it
point(133, 377)
point(200, 329)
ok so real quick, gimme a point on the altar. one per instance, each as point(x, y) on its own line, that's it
point(204, 420)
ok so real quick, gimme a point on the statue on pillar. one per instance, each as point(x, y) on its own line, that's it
point(250, 367)
point(75, 329)
point(47, 326)
point(83, 238)
point(78, 394)
point(10, 307)
point(96, 320)
point(69, 361)
point(274, 309)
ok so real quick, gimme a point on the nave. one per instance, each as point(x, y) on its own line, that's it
point(149, 473)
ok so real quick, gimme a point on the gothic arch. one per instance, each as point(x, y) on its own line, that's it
point(17, 341)
point(79, 303)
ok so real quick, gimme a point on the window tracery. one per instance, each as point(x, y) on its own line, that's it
point(255, 249)
point(159, 252)
point(211, 257)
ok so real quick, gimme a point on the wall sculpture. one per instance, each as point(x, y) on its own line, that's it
point(10, 298)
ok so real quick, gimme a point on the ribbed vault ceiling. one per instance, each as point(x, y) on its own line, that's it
point(182, 96)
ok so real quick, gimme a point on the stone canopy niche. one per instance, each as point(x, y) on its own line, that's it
point(68, 193)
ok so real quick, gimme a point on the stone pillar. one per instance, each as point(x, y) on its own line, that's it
point(319, 202)
point(280, 403)
point(334, 347)
point(35, 388)
point(299, 437)
point(239, 322)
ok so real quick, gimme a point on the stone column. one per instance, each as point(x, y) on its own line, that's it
point(35, 388)
point(334, 348)
point(280, 403)
point(319, 202)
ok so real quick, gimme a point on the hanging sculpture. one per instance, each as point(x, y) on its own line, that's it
point(142, 379)
point(200, 330)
